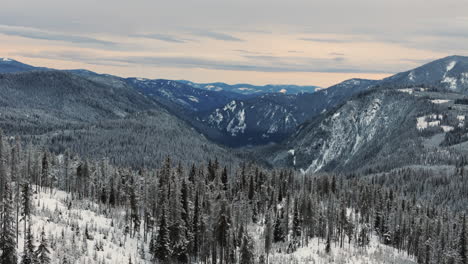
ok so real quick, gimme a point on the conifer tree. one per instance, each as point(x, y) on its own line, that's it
point(268, 235)
point(163, 243)
point(42, 252)
point(7, 236)
point(296, 222)
point(28, 251)
point(462, 243)
point(247, 250)
point(278, 232)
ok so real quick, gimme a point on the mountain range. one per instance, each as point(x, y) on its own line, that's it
point(413, 117)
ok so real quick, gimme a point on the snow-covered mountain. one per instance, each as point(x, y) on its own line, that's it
point(273, 117)
point(381, 127)
point(249, 89)
point(450, 73)
point(8, 65)
point(181, 94)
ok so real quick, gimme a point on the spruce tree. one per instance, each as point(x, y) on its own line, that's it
point(462, 243)
point(268, 235)
point(42, 252)
point(278, 232)
point(28, 251)
point(163, 243)
point(247, 250)
point(8, 234)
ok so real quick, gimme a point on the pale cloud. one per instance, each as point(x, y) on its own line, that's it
point(34, 33)
point(307, 41)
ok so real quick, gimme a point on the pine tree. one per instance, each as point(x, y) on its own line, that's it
point(42, 252)
point(296, 222)
point(163, 243)
point(224, 179)
point(462, 243)
point(28, 251)
point(268, 235)
point(222, 229)
point(247, 250)
point(8, 235)
point(278, 232)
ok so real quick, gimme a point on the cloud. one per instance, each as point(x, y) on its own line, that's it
point(214, 35)
point(326, 40)
point(162, 37)
point(253, 63)
point(33, 33)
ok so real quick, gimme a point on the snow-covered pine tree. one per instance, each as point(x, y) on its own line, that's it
point(462, 242)
point(28, 250)
point(247, 250)
point(162, 250)
point(8, 235)
point(42, 252)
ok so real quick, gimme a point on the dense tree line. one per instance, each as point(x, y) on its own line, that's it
point(204, 212)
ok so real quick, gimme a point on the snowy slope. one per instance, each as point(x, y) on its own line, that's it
point(65, 230)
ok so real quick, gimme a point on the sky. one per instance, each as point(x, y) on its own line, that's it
point(306, 42)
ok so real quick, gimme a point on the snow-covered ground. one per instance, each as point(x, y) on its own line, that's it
point(65, 230)
point(65, 224)
point(314, 252)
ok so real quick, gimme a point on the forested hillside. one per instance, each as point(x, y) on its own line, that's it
point(98, 118)
point(65, 209)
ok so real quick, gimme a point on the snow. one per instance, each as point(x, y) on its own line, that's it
point(411, 76)
point(440, 101)
point(451, 81)
point(447, 128)
point(240, 127)
point(193, 99)
point(451, 65)
point(292, 152)
point(65, 226)
point(461, 120)
point(231, 106)
point(6, 59)
point(406, 90)
point(314, 252)
point(433, 120)
point(283, 91)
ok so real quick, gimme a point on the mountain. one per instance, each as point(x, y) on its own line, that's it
point(96, 119)
point(450, 73)
point(382, 127)
point(9, 65)
point(273, 117)
point(181, 94)
point(249, 89)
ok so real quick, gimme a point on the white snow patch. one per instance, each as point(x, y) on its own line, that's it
point(451, 65)
point(406, 90)
point(440, 101)
point(447, 128)
point(451, 81)
point(411, 76)
point(193, 99)
point(283, 91)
